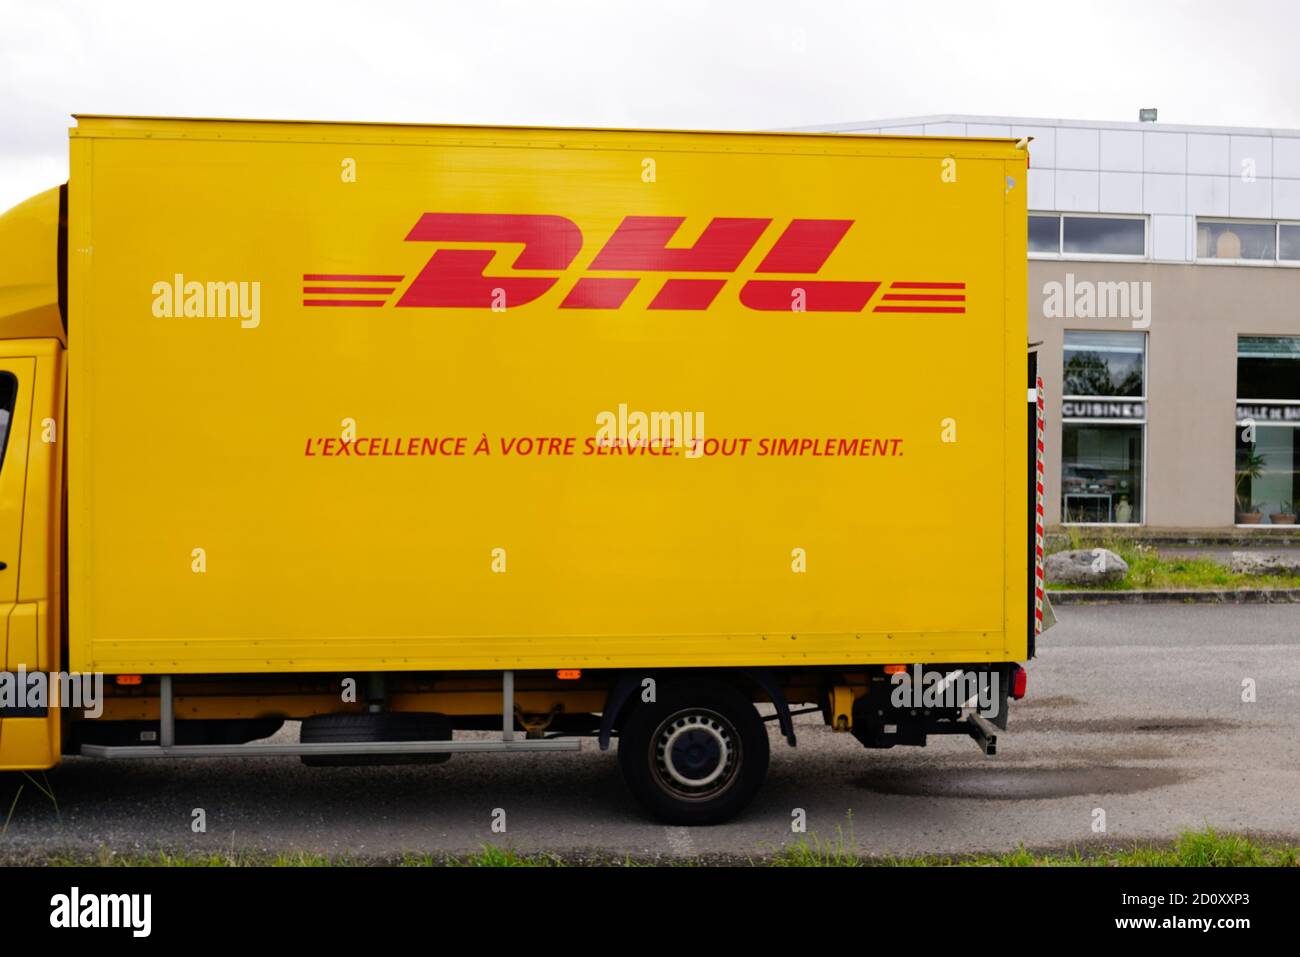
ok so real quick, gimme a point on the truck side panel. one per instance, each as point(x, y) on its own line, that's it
point(238, 503)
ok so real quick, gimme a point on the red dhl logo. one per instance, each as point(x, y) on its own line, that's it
point(455, 279)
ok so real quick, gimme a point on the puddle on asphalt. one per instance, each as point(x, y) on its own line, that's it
point(1154, 725)
point(1136, 753)
point(1045, 704)
point(1019, 784)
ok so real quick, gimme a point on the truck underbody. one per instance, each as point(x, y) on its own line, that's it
point(685, 737)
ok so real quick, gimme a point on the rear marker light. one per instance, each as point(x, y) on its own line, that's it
point(569, 674)
point(131, 681)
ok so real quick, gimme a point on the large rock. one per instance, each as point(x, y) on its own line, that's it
point(1265, 563)
point(1086, 566)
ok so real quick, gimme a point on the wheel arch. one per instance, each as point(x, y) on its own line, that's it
point(620, 697)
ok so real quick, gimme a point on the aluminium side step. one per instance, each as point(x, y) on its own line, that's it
point(111, 751)
point(167, 748)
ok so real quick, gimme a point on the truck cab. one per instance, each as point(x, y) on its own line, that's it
point(33, 340)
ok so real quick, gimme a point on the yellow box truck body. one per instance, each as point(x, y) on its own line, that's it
point(442, 402)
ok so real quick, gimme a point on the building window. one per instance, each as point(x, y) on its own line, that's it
point(1069, 235)
point(1288, 242)
point(1045, 235)
point(1260, 241)
point(1102, 473)
point(1268, 368)
point(1103, 432)
point(1265, 485)
point(1105, 364)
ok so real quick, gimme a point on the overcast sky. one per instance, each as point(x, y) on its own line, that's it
point(733, 64)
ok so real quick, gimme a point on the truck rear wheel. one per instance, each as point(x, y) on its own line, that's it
point(695, 756)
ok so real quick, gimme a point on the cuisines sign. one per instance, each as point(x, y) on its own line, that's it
point(453, 278)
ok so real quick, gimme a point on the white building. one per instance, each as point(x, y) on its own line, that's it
point(1189, 417)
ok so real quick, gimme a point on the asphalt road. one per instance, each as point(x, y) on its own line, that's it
point(1133, 710)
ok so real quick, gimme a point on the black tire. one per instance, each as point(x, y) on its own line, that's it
point(695, 756)
point(368, 727)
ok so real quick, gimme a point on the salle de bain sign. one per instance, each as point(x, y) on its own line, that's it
point(1269, 413)
point(1080, 409)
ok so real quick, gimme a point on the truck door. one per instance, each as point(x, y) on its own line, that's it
point(28, 732)
point(16, 375)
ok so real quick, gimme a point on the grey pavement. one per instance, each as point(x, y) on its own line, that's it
point(1136, 711)
point(1223, 553)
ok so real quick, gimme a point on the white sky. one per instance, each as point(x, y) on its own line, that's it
point(660, 63)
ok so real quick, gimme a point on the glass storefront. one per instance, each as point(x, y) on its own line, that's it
point(1265, 488)
point(1104, 427)
point(1101, 475)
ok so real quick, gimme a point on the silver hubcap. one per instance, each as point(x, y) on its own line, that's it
point(696, 754)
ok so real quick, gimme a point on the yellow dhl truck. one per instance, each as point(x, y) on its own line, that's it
point(400, 431)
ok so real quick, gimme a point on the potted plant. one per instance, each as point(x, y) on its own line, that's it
point(1285, 514)
point(1250, 466)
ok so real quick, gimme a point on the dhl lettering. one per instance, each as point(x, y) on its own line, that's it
point(454, 277)
point(457, 278)
point(641, 244)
